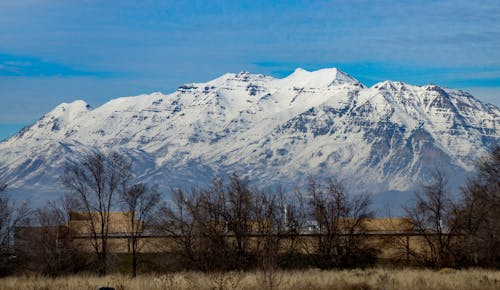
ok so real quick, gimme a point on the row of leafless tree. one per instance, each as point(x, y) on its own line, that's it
point(463, 231)
point(233, 226)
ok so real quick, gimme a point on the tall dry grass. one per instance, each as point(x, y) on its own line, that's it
point(383, 279)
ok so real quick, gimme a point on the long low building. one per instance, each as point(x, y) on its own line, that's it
point(394, 238)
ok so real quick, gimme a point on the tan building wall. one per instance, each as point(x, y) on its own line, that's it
point(393, 237)
point(391, 246)
point(80, 223)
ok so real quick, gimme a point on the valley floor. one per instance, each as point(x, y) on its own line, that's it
point(377, 278)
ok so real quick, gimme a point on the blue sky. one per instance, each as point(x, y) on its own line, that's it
point(59, 51)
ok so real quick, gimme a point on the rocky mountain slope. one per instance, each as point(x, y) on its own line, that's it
point(274, 131)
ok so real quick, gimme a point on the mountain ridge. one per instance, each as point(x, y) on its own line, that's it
point(385, 137)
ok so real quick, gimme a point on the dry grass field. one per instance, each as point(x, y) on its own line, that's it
point(383, 279)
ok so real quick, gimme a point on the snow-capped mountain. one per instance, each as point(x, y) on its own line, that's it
point(274, 131)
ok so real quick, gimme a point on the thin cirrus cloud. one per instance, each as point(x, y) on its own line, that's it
point(23, 66)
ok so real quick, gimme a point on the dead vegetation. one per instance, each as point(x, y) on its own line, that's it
point(314, 279)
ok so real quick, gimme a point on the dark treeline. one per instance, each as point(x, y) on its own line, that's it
point(231, 225)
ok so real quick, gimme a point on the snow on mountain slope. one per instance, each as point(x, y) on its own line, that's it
point(274, 131)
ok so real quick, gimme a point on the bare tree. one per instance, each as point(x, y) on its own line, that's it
point(216, 250)
point(238, 213)
point(141, 203)
point(219, 218)
point(180, 223)
point(95, 180)
point(270, 223)
point(46, 245)
point(11, 216)
point(480, 212)
point(340, 221)
point(222, 227)
point(296, 216)
point(433, 215)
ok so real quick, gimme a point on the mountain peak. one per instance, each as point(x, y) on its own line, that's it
point(326, 72)
point(73, 108)
point(390, 85)
point(300, 70)
point(228, 79)
point(321, 123)
point(324, 77)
